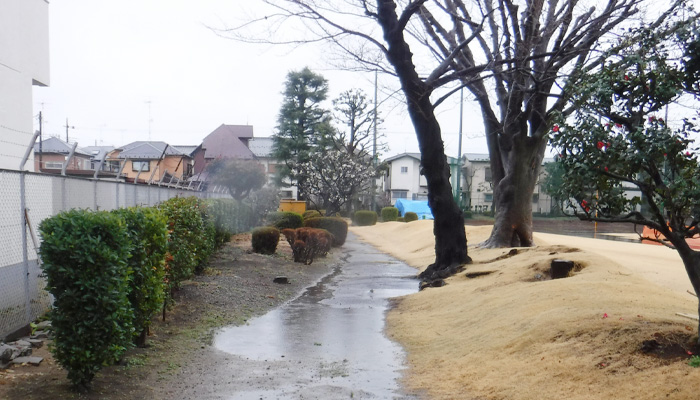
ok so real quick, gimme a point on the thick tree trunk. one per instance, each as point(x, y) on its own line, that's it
point(448, 228)
point(513, 195)
point(691, 261)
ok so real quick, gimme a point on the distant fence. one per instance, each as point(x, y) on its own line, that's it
point(32, 197)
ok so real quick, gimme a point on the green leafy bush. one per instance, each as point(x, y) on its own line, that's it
point(148, 233)
point(265, 239)
point(390, 214)
point(335, 225)
point(400, 219)
point(285, 220)
point(187, 244)
point(84, 258)
point(365, 218)
point(410, 216)
point(467, 214)
point(312, 214)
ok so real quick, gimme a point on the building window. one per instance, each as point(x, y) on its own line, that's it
point(488, 197)
point(53, 165)
point(404, 170)
point(400, 194)
point(536, 198)
point(142, 166)
point(487, 174)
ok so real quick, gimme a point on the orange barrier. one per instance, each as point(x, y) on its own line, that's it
point(650, 233)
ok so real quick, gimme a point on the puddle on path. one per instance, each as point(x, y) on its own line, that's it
point(330, 340)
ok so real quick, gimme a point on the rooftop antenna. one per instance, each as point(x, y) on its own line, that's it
point(150, 120)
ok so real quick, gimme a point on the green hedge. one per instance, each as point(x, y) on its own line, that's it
point(148, 234)
point(410, 216)
point(191, 240)
point(390, 214)
point(365, 218)
point(285, 220)
point(312, 214)
point(265, 239)
point(335, 225)
point(84, 256)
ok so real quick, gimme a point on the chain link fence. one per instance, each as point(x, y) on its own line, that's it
point(31, 197)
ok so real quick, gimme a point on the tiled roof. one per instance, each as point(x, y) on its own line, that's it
point(58, 146)
point(96, 152)
point(187, 149)
point(148, 150)
point(228, 141)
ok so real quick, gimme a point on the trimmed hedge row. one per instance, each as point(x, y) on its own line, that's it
point(410, 216)
point(110, 271)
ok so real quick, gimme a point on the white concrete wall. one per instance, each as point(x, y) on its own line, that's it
point(24, 61)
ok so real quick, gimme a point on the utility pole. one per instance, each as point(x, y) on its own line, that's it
point(459, 151)
point(41, 142)
point(374, 145)
point(68, 127)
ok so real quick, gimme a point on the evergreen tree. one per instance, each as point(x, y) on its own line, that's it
point(303, 126)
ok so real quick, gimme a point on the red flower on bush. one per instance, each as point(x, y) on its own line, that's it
point(600, 145)
point(555, 128)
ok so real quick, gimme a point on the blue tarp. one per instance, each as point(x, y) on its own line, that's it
point(421, 208)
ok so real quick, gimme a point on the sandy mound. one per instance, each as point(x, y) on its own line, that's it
point(503, 330)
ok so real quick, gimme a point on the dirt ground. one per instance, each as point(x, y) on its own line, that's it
point(234, 288)
point(502, 329)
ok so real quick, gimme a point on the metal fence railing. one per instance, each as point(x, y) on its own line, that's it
point(32, 197)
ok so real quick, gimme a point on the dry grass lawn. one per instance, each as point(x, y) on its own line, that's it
point(512, 333)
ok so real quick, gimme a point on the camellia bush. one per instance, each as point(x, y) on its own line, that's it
point(618, 140)
point(84, 256)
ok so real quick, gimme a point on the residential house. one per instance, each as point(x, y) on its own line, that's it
point(262, 150)
point(24, 61)
point(226, 141)
point(404, 179)
point(98, 154)
point(477, 185)
point(52, 153)
point(152, 162)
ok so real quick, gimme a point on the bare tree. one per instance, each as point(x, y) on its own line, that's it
point(511, 55)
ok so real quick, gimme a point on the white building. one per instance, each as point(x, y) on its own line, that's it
point(404, 180)
point(24, 61)
point(477, 185)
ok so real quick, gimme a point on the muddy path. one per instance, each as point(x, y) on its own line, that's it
point(328, 343)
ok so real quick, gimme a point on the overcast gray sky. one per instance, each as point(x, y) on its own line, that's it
point(134, 69)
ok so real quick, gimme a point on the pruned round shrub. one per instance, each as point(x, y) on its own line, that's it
point(410, 216)
point(390, 214)
point(265, 239)
point(467, 214)
point(400, 219)
point(148, 233)
point(335, 225)
point(365, 218)
point(285, 220)
point(84, 256)
point(308, 243)
point(312, 214)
